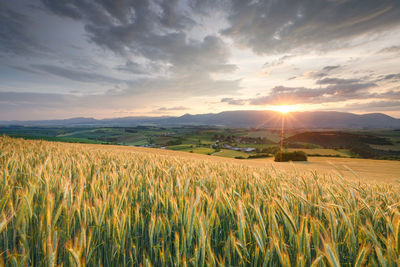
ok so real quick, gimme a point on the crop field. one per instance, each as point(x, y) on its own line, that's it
point(230, 153)
point(93, 205)
point(323, 151)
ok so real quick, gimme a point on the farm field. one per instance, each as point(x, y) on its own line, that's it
point(367, 170)
point(200, 133)
point(226, 153)
point(322, 151)
point(211, 139)
point(100, 205)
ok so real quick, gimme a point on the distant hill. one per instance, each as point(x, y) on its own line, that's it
point(358, 144)
point(246, 118)
point(335, 139)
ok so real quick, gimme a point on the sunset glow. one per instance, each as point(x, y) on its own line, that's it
point(284, 109)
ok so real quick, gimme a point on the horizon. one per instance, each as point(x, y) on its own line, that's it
point(195, 114)
point(107, 60)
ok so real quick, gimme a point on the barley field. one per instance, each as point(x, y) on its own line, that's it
point(78, 205)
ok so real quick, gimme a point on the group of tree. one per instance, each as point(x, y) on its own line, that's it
point(290, 156)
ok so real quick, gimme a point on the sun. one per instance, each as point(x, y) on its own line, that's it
point(284, 109)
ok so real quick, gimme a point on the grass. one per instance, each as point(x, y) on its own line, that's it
point(203, 150)
point(227, 153)
point(395, 146)
point(76, 205)
point(322, 151)
point(57, 139)
point(192, 148)
point(183, 147)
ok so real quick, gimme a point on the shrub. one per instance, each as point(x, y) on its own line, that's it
point(259, 155)
point(291, 156)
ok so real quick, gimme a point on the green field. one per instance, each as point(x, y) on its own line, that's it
point(192, 149)
point(184, 147)
point(383, 144)
point(230, 153)
point(203, 150)
point(323, 151)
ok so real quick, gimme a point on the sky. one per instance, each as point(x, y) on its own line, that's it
point(118, 58)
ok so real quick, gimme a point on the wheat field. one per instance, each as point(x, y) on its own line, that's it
point(75, 205)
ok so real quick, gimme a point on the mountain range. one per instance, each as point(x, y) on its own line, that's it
point(242, 118)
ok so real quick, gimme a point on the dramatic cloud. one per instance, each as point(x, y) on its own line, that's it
point(15, 35)
point(291, 95)
point(279, 26)
point(336, 90)
point(153, 30)
point(110, 58)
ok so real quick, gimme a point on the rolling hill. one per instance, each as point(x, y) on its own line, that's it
point(243, 118)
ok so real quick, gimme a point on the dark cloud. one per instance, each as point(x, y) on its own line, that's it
point(329, 68)
point(206, 56)
point(144, 27)
point(154, 31)
point(392, 94)
point(393, 76)
point(172, 17)
point(76, 75)
point(132, 67)
point(232, 101)
point(206, 7)
point(152, 52)
point(338, 81)
point(281, 26)
point(65, 8)
point(325, 71)
point(15, 35)
point(391, 49)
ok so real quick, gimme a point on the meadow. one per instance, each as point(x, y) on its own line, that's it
point(67, 204)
